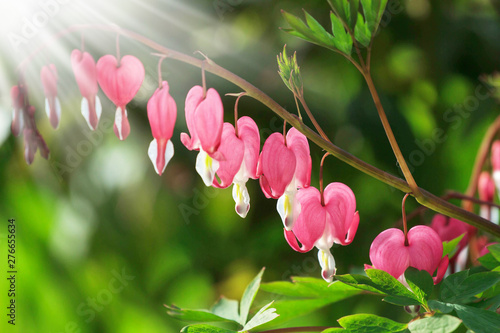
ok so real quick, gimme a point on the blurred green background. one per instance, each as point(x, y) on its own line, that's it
point(171, 239)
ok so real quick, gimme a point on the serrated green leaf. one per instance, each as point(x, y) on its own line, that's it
point(438, 323)
point(194, 315)
point(368, 323)
point(440, 306)
point(420, 283)
point(318, 31)
point(489, 261)
point(450, 247)
point(346, 10)
point(461, 287)
point(202, 328)
point(401, 300)
point(362, 32)
point(495, 251)
point(264, 315)
point(342, 41)
point(388, 284)
point(249, 296)
point(478, 320)
point(226, 308)
point(295, 33)
point(359, 281)
point(335, 330)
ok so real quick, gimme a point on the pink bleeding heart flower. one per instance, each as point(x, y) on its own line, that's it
point(204, 119)
point(283, 169)
point(162, 113)
point(495, 163)
point(85, 71)
point(483, 248)
point(120, 82)
point(321, 223)
point(486, 191)
point(17, 96)
point(241, 152)
point(423, 251)
point(52, 104)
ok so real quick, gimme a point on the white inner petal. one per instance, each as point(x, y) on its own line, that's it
point(327, 263)
point(241, 199)
point(206, 167)
point(288, 208)
point(118, 121)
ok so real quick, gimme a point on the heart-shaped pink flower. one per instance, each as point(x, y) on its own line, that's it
point(85, 71)
point(120, 82)
point(424, 251)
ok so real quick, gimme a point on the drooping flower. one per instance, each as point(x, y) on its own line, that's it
point(162, 113)
point(449, 228)
point(204, 119)
point(241, 153)
point(17, 96)
point(120, 81)
point(495, 163)
point(85, 71)
point(52, 104)
point(283, 169)
point(390, 252)
point(486, 191)
point(321, 223)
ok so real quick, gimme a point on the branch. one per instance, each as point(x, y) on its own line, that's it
point(428, 199)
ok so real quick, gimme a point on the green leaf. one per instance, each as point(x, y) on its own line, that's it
point(388, 284)
point(249, 296)
point(312, 32)
point(450, 247)
point(401, 300)
point(489, 261)
point(495, 251)
point(304, 295)
point(359, 281)
point(478, 320)
point(361, 32)
point(226, 308)
point(440, 306)
point(318, 31)
point(264, 315)
point(342, 40)
point(201, 328)
point(335, 330)
point(346, 10)
point(460, 287)
point(438, 323)
point(420, 283)
point(194, 315)
point(368, 323)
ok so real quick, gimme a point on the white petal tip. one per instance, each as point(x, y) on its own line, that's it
point(206, 167)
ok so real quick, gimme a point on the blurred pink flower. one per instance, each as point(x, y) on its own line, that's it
point(17, 96)
point(85, 71)
point(52, 104)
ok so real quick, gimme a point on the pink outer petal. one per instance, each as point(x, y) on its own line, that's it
point(310, 223)
point(209, 118)
point(233, 149)
point(120, 83)
point(125, 125)
point(389, 253)
point(162, 113)
point(297, 142)
point(249, 133)
point(84, 68)
point(193, 99)
point(340, 203)
point(449, 228)
point(425, 248)
point(441, 270)
point(277, 163)
point(495, 155)
point(49, 80)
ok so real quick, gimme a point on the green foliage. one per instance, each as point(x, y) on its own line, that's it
point(450, 247)
point(421, 284)
point(304, 295)
point(347, 23)
point(460, 287)
point(226, 310)
point(368, 323)
point(436, 324)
